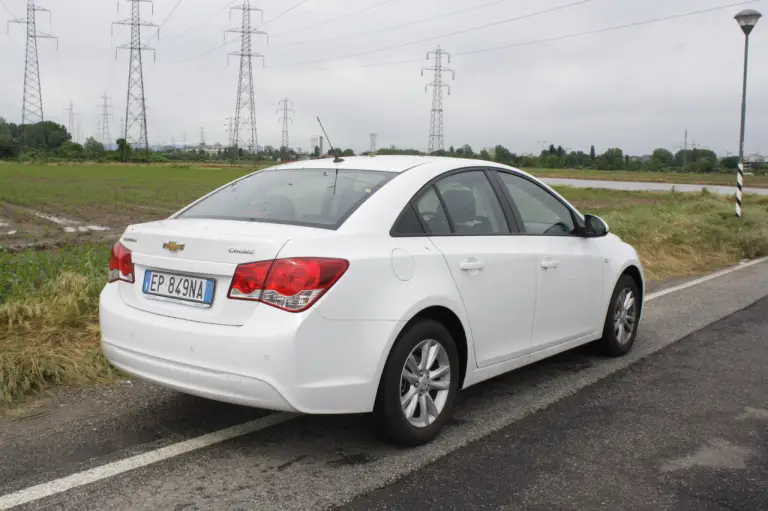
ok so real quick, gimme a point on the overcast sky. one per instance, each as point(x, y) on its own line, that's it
point(638, 88)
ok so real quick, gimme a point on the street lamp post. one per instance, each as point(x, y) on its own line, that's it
point(747, 20)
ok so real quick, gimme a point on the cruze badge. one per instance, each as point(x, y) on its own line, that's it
point(246, 251)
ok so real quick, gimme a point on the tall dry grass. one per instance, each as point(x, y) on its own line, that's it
point(51, 337)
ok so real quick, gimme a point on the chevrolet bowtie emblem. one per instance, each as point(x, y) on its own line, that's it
point(173, 246)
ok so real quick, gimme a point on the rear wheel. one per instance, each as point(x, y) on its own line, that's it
point(419, 384)
point(621, 321)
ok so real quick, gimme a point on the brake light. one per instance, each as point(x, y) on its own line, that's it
point(289, 284)
point(120, 264)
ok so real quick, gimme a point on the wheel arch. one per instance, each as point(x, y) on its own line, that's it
point(634, 272)
point(451, 321)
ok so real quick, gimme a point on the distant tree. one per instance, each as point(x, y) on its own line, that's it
point(316, 151)
point(730, 162)
point(93, 148)
point(123, 148)
point(392, 150)
point(504, 155)
point(612, 159)
point(451, 150)
point(552, 149)
point(485, 155)
point(592, 155)
point(560, 151)
point(694, 155)
point(662, 158)
point(468, 152)
point(44, 135)
point(8, 143)
point(348, 152)
point(71, 150)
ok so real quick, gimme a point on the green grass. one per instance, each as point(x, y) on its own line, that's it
point(680, 234)
point(653, 177)
point(111, 189)
point(27, 272)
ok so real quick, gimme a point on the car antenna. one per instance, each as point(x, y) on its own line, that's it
point(337, 159)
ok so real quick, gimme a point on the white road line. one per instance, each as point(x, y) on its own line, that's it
point(696, 282)
point(48, 489)
point(86, 477)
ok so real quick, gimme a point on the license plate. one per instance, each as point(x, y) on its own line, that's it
point(174, 287)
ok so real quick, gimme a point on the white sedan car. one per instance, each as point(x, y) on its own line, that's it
point(370, 284)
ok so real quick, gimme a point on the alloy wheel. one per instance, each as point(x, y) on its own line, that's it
point(624, 316)
point(424, 383)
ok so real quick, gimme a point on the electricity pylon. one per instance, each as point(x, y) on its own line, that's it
point(436, 142)
point(286, 119)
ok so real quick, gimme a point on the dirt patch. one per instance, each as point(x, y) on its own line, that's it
point(27, 228)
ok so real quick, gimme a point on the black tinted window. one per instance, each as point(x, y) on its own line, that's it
point(472, 204)
point(431, 212)
point(314, 197)
point(408, 224)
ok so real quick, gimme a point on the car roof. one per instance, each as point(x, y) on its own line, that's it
point(388, 163)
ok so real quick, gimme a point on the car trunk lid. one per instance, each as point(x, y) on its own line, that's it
point(209, 250)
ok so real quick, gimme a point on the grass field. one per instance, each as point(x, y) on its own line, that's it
point(653, 177)
point(49, 298)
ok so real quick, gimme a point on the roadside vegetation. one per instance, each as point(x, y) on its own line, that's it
point(49, 297)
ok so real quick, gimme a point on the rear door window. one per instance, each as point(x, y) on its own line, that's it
point(313, 197)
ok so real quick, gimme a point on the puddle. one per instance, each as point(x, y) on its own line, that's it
point(55, 219)
point(70, 225)
point(11, 233)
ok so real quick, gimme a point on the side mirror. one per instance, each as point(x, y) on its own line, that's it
point(595, 227)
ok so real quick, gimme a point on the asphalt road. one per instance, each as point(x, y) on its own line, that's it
point(686, 428)
point(314, 462)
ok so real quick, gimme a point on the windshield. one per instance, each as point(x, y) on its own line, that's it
point(311, 197)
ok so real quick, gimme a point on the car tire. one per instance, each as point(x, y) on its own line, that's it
point(621, 320)
point(406, 361)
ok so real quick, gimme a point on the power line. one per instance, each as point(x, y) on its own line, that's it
point(608, 29)
point(442, 36)
point(336, 18)
point(555, 38)
point(5, 6)
point(209, 18)
point(394, 27)
point(225, 43)
point(157, 33)
point(302, 2)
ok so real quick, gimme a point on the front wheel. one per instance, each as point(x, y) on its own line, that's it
point(622, 318)
point(419, 384)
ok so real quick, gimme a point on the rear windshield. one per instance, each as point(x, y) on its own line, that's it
point(311, 197)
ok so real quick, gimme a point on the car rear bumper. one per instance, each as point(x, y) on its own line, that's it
point(216, 385)
point(277, 360)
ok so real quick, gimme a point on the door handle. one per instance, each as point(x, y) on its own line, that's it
point(471, 265)
point(549, 264)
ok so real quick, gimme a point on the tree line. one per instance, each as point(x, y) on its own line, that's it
point(51, 140)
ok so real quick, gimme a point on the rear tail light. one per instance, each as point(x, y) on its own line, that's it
point(120, 264)
point(288, 284)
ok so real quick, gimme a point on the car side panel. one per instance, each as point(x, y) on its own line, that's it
point(388, 280)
